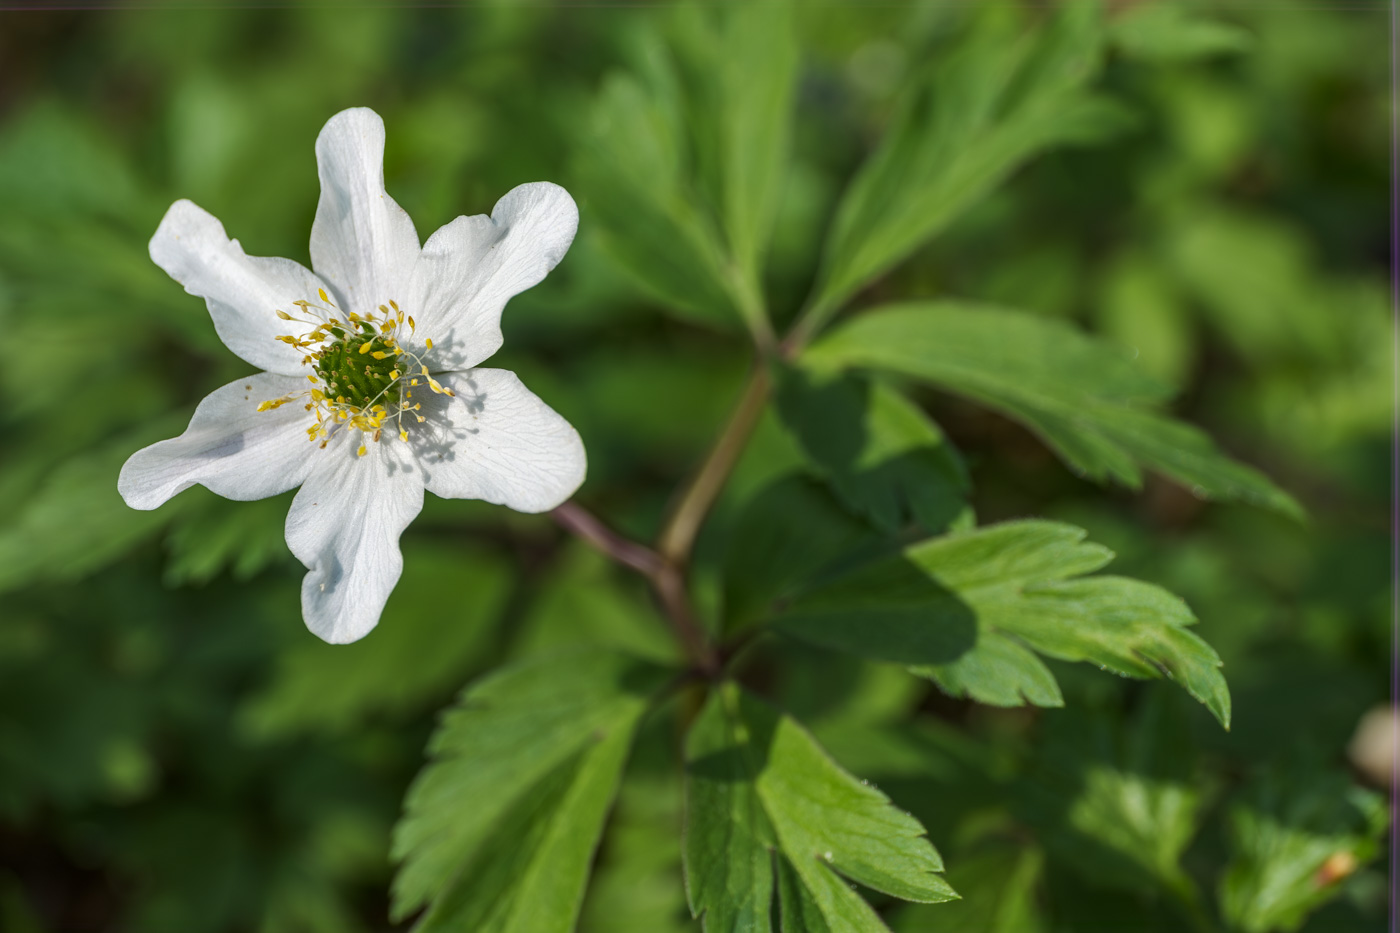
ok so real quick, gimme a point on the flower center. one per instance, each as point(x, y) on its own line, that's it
point(362, 377)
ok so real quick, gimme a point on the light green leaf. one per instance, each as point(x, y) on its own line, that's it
point(756, 781)
point(881, 454)
point(687, 156)
point(1083, 397)
point(330, 688)
point(998, 896)
point(989, 105)
point(1295, 838)
point(529, 874)
point(528, 754)
point(1166, 31)
point(959, 608)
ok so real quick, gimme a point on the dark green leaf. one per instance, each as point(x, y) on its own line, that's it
point(534, 748)
point(1083, 397)
point(789, 534)
point(330, 688)
point(881, 454)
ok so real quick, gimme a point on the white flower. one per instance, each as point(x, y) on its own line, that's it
point(370, 392)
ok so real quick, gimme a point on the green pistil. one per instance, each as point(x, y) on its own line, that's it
point(359, 377)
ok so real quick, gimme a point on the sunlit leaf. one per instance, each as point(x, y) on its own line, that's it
point(756, 781)
point(1083, 397)
point(526, 763)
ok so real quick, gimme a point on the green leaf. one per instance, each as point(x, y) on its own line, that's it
point(1295, 837)
point(756, 781)
point(529, 873)
point(1167, 31)
point(962, 609)
point(332, 688)
point(741, 64)
point(791, 532)
point(881, 454)
point(524, 765)
point(1083, 397)
point(685, 163)
point(987, 106)
point(1118, 800)
point(998, 896)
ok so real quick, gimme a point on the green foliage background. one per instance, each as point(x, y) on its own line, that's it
point(177, 752)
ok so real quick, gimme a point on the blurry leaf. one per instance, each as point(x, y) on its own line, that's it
point(585, 599)
point(423, 646)
point(787, 534)
point(1118, 802)
point(54, 161)
point(1139, 307)
point(962, 608)
point(686, 159)
point(1167, 31)
point(881, 454)
point(1295, 837)
point(632, 171)
point(741, 62)
point(755, 781)
point(218, 534)
point(1082, 396)
point(74, 522)
point(522, 773)
point(992, 103)
point(998, 896)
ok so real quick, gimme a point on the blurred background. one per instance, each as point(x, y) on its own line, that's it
point(178, 753)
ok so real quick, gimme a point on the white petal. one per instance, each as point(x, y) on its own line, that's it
point(243, 292)
point(344, 525)
point(230, 447)
point(497, 441)
point(361, 240)
point(470, 268)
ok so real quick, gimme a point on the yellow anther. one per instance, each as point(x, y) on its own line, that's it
point(413, 382)
point(435, 385)
point(312, 378)
point(393, 374)
point(317, 395)
point(403, 434)
point(283, 315)
point(364, 347)
point(362, 451)
point(324, 297)
point(378, 354)
point(411, 326)
point(429, 343)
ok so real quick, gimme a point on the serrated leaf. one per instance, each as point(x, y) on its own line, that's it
point(934, 606)
point(528, 876)
point(998, 896)
point(330, 688)
point(1083, 397)
point(788, 534)
point(992, 103)
point(686, 158)
point(756, 781)
point(1295, 837)
point(882, 455)
point(518, 744)
point(1118, 800)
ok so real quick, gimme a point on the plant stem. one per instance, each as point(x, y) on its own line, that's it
point(678, 537)
point(582, 523)
point(665, 578)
